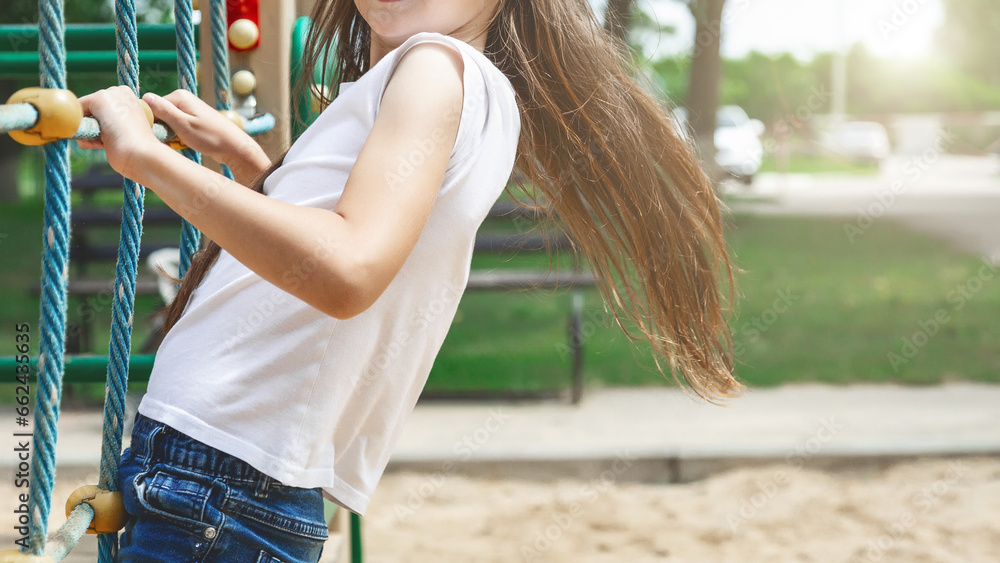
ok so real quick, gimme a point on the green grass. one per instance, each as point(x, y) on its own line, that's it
point(857, 302)
point(851, 305)
point(820, 164)
point(846, 307)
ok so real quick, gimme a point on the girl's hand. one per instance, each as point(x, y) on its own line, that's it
point(204, 129)
point(125, 131)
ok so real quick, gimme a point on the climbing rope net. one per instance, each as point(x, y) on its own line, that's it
point(51, 116)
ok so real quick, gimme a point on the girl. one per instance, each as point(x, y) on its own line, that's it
point(304, 332)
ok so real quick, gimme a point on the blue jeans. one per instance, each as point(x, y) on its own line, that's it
point(189, 502)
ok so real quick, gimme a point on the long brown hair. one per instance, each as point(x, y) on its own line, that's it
point(598, 154)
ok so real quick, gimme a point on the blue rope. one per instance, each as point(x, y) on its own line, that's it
point(55, 255)
point(90, 130)
point(220, 54)
point(16, 117)
point(259, 125)
point(187, 79)
point(220, 61)
point(124, 296)
point(68, 536)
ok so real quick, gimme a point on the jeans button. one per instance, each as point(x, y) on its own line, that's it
point(209, 533)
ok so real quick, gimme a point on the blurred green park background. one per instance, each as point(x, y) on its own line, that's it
point(813, 307)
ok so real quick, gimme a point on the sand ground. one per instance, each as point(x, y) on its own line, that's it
point(921, 511)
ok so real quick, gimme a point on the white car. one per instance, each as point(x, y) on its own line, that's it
point(859, 140)
point(737, 140)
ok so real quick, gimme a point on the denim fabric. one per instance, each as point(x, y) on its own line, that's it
point(189, 502)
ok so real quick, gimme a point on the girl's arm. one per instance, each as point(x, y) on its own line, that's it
point(339, 261)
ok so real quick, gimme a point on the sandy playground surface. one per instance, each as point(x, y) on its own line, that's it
point(914, 512)
point(923, 511)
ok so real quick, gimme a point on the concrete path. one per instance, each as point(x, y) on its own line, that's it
point(676, 437)
point(679, 438)
point(955, 198)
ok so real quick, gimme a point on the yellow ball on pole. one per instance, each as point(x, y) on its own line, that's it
point(243, 33)
point(244, 82)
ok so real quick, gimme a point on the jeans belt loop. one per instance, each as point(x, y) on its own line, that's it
point(263, 484)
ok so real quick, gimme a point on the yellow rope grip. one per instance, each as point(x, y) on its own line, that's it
point(15, 556)
point(59, 115)
point(109, 509)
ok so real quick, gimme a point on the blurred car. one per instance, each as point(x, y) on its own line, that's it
point(737, 140)
point(859, 140)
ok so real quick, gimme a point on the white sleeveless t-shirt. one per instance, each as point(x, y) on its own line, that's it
point(308, 399)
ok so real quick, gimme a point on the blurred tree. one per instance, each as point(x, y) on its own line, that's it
point(618, 18)
point(702, 99)
point(86, 11)
point(968, 36)
point(77, 11)
point(772, 87)
point(626, 20)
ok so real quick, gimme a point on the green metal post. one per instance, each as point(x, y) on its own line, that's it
point(90, 368)
point(356, 556)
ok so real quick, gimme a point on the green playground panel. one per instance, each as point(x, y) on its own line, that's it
point(84, 62)
point(303, 112)
point(91, 37)
point(90, 48)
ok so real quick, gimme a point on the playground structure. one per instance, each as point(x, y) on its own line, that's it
point(247, 74)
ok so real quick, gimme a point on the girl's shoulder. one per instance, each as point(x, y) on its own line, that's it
point(480, 64)
point(489, 114)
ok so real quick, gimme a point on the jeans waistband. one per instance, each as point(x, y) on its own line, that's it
point(160, 443)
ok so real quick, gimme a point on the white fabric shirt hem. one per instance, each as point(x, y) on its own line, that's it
point(333, 489)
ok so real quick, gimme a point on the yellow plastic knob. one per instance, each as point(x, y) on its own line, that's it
point(59, 115)
point(176, 143)
point(194, 5)
point(235, 117)
point(148, 111)
point(15, 556)
point(244, 82)
point(109, 508)
point(243, 33)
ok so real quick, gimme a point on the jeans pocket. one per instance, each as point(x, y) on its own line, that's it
point(178, 495)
